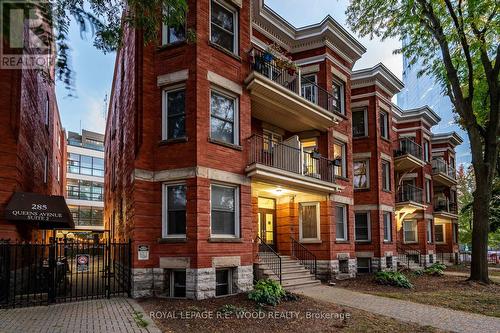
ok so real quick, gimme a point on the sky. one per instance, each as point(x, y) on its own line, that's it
point(94, 70)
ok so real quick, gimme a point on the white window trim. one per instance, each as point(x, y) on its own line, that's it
point(315, 88)
point(344, 212)
point(343, 153)
point(46, 168)
point(236, 134)
point(426, 150)
point(164, 107)
point(164, 211)
point(58, 171)
point(416, 232)
point(428, 193)
point(367, 173)
point(236, 25)
point(388, 177)
point(384, 214)
point(318, 222)
point(236, 189)
point(229, 280)
point(365, 116)
point(369, 224)
point(444, 234)
point(430, 227)
point(164, 33)
point(342, 84)
point(47, 110)
point(386, 124)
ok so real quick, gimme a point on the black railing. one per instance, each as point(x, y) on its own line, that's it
point(270, 258)
point(271, 67)
point(444, 205)
point(59, 271)
point(408, 193)
point(304, 256)
point(408, 147)
point(281, 156)
point(407, 256)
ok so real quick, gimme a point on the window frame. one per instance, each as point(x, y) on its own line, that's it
point(165, 115)
point(343, 152)
point(318, 221)
point(313, 85)
point(229, 281)
point(341, 84)
point(428, 191)
point(430, 231)
point(236, 117)
point(386, 168)
point(365, 118)
point(165, 31)
point(369, 227)
point(165, 210)
point(236, 25)
point(415, 222)
point(384, 126)
point(46, 115)
point(389, 227)
point(369, 268)
point(344, 224)
point(444, 234)
point(237, 222)
point(367, 174)
point(426, 147)
point(171, 277)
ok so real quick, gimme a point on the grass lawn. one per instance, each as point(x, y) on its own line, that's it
point(224, 318)
point(452, 292)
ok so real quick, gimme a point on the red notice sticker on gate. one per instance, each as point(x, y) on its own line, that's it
point(82, 262)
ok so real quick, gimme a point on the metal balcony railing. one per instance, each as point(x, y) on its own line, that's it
point(281, 156)
point(408, 147)
point(444, 205)
point(265, 64)
point(408, 193)
point(440, 166)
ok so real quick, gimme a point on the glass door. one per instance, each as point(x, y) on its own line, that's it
point(267, 221)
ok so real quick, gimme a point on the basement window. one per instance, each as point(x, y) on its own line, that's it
point(175, 283)
point(364, 265)
point(223, 282)
point(388, 261)
point(344, 266)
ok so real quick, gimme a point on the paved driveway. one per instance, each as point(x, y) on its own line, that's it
point(115, 315)
point(442, 318)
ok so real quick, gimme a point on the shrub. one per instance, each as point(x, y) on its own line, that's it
point(436, 269)
point(396, 279)
point(267, 292)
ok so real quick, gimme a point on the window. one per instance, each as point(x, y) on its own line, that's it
point(175, 285)
point(388, 262)
point(364, 265)
point(387, 217)
point(84, 190)
point(384, 125)
point(174, 223)
point(339, 155)
point(452, 162)
point(174, 114)
point(87, 216)
point(362, 227)
point(341, 222)
point(271, 140)
point(85, 165)
point(224, 211)
point(309, 221)
point(359, 123)
point(386, 175)
point(439, 233)
point(46, 113)
point(426, 151)
point(454, 228)
point(224, 118)
point(361, 174)
point(46, 168)
point(172, 33)
point(427, 190)
point(410, 231)
point(429, 231)
point(224, 26)
point(223, 282)
point(309, 88)
point(338, 92)
point(58, 171)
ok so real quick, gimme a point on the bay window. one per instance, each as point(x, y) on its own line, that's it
point(410, 234)
point(224, 211)
point(384, 125)
point(339, 155)
point(362, 226)
point(224, 118)
point(174, 113)
point(359, 123)
point(174, 220)
point(361, 174)
point(224, 25)
point(338, 92)
point(439, 233)
point(309, 221)
point(386, 176)
point(387, 219)
point(341, 222)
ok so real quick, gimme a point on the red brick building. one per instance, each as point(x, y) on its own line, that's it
point(32, 144)
point(223, 154)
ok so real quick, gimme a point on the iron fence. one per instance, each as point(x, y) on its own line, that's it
point(304, 256)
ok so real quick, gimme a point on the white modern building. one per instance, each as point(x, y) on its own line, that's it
point(85, 179)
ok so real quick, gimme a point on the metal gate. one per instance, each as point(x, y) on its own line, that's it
point(41, 274)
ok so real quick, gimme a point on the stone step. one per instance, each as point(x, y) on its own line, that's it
point(301, 284)
point(287, 270)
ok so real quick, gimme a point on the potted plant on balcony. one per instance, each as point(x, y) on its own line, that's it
point(315, 154)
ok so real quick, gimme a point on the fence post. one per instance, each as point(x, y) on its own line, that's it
point(52, 267)
point(129, 293)
point(108, 268)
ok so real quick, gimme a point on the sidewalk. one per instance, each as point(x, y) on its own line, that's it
point(425, 315)
point(115, 315)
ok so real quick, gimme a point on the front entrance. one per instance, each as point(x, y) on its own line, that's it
point(267, 221)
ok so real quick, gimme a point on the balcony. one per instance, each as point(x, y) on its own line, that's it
point(445, 208)
point(284, 97)
point(289, 164)
point(411, 196)
point(408, 155)
point(443, 173)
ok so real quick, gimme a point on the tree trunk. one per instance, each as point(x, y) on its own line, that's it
point(480, 230)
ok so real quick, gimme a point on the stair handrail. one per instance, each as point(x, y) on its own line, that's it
point(304, 256)
point(273, 261)
point(406, 252)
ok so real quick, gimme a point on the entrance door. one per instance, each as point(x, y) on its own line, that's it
point(267, 221)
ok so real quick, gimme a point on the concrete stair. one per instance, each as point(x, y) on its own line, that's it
point(293, 274)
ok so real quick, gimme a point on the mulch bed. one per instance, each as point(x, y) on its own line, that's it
point(214, 315)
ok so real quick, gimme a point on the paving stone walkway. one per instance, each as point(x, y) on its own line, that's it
point(115, 315)
point(425, 315)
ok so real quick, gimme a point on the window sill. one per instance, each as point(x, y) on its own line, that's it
point(387, 191)
point(171, 45)
point(342, 178)
point(361, 190)
point(340, 241)
point(386, 139)
point(360, 137)
point(387, 242)
point(225, 144)
point(227, 52)
point(224, 240)
point(363, 241)
point(176, 140)
point(172, 240)
point(410, 243)
point(310, 241)
point(341, 115)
